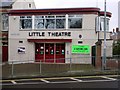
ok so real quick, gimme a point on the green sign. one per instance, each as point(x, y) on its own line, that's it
point(81, 49)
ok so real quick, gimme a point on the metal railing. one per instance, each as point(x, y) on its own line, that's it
point(30, 68)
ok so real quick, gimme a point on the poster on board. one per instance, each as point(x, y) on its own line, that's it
point(21, 50)
point(81, 49)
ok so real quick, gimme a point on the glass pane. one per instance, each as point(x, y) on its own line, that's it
point(26, 23)
point(60, 17)
point(71, 15)
point(50, 16)
point(60, 23)
point(102, 24)
point(22, 16)
point(39, 17)
point(39, 23)
point(5, 21)
point(29, 16)
point(50, 23)
point(75, 23)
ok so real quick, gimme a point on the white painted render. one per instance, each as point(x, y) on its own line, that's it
point(89, 37)
point(23, 4)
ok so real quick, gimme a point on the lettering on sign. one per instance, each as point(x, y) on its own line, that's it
point(81, 49)
point(37, 34)
point(50, 34)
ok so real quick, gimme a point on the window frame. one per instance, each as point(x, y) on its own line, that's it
point(62, 20)
point(26, 18)
point(75, 16)
point(102, 24)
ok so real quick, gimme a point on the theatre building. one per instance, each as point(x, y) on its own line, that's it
point(56, 35)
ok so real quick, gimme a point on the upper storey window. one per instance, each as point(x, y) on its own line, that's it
point(100, 24)
point(25, 22)
point(102, 20)
point(49, 22)
point(5, 22)
point(75, 21)
point(60, 22)
point(40, 22)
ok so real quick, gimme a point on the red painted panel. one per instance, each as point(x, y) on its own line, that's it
point(39, 52)
point(4, 53)
point(49, 40)
point(60, 53)
point(49, 52)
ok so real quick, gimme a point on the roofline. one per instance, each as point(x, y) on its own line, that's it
point(54, 11)
point(109, 14)
point(88, 10)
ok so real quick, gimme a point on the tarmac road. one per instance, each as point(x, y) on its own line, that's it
point(109, 82)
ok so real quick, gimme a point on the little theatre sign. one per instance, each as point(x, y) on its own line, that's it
point(50, 34)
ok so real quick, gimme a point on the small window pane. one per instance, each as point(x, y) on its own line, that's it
point(26, 23)
point(5, 22)
point(50, 23)
point(75, 23)
point(60, 23)
point(39, 23)
point(102, 24)
point(39, 17)
point(50, 16)
point(60, 16)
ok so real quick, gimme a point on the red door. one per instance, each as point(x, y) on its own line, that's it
point(39, 52)
point(4, 53)
point(60, 53)
point(49, 52)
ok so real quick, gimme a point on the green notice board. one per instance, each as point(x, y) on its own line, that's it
point(81, 49)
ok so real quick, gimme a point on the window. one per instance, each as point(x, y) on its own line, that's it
point(5, 22)
point(60, 22)
point(29, 5)
point(25, 22)
point(80, 42)
point(74, 21)
point(39, 22)
point(50, 22)
point(20, 41)
point(102, 24)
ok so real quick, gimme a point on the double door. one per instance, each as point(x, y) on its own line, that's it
point(50, 52)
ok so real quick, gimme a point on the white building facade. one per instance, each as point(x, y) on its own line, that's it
point(55, 35)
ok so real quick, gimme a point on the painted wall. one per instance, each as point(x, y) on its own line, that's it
point(24, 4)
point(89, 37)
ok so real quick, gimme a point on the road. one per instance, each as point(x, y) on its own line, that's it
point(64, 82)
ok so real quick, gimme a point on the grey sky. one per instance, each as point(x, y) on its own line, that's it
point(112, 6)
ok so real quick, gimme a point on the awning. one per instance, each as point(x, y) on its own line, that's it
point(50, 40)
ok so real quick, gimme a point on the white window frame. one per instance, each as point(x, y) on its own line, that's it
point(25, 17)
point(72, 16)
